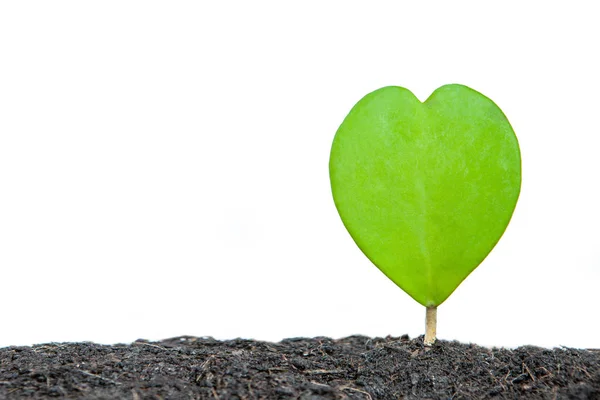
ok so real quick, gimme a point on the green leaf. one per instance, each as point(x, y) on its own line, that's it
point(426, 190)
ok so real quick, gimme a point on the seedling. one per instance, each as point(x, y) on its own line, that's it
point(426, 190)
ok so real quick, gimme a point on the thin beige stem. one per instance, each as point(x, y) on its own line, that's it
point(430, 325)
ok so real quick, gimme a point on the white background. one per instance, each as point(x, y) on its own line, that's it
point(164, 168)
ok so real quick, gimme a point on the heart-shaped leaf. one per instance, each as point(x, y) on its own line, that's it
point(426, 190)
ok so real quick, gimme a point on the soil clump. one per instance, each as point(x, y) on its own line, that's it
point(355, 367)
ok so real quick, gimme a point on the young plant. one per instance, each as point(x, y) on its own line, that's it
point(426, 190)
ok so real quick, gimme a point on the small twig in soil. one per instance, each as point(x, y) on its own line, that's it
point(205, 363)
point(324, 371)
point(98, 376)
point(277, 369)
point(584, 371)
point(203, 368)
point(529, 372)
point(548, 373)
point(357, 390)
point(518, 378)
point(320, 384)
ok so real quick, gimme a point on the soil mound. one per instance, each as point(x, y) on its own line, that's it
point(355, 367)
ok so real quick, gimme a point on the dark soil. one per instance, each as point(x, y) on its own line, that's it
point(356, 367)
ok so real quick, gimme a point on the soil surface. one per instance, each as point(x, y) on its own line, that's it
point(356, 367)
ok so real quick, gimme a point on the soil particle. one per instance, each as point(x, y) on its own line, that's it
point(355, 367)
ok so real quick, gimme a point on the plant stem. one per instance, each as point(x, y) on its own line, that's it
point(430, 325)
